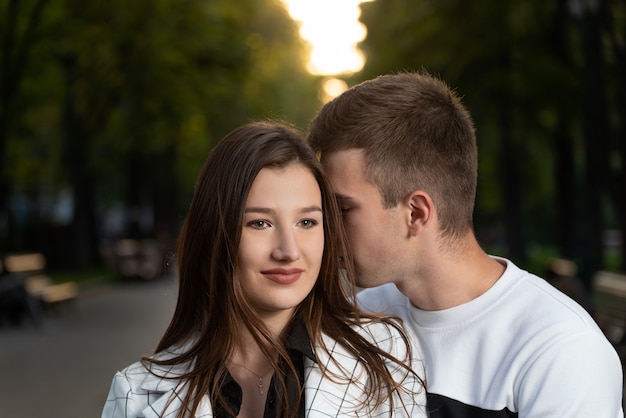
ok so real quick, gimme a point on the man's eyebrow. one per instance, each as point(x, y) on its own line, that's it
point(340, 196)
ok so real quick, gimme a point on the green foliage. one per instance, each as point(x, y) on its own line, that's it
point(520, 68)
point(120, 101)
point(144, 78)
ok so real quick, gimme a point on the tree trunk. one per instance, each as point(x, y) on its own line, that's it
point(83, 229)
point(565, 172)
point(13, 58)
point(513, 193)
point(566, 225)
point(617, 183)
point(167, 218)
point(511, 174)
point(596, 132)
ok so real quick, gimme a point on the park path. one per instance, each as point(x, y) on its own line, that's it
point(64, 369)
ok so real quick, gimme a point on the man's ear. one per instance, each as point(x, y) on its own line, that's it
point(421, 210)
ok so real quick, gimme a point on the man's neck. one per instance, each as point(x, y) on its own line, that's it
point(452, 278)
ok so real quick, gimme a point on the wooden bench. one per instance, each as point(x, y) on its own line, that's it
point(31, 267)
point(609, 299)
point(562, 274)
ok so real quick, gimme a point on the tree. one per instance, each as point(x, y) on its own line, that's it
point(17, 35)
point(519, 67)
point(138, 92)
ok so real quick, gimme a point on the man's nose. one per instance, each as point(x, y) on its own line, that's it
point(286, 248)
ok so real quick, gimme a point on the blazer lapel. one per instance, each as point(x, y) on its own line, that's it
point(166, 393)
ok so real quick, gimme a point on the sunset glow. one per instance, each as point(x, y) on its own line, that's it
point(333, 30)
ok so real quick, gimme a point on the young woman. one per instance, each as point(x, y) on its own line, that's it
point(265, 324)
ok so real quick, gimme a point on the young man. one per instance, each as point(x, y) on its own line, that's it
point(497, 341)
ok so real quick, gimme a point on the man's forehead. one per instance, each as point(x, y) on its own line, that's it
point(344, 158)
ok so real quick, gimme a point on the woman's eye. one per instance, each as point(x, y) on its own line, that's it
point(343, 210)
point(308, 223)
point(258, 224)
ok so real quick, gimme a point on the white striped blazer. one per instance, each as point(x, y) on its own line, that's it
point(135, 392)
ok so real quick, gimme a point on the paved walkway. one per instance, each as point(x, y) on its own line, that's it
point(65, 368)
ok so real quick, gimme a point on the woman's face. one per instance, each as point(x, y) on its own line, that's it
point(282, 239)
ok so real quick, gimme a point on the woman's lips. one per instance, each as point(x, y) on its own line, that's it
point(282, 275)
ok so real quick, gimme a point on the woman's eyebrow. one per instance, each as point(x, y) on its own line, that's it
point(258, 209)
point(310, 209)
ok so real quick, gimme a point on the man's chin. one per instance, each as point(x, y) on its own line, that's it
point(364, 282)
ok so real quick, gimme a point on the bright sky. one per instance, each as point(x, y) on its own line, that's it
point(333, 30)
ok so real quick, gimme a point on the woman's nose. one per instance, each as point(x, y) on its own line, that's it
point(286, 248)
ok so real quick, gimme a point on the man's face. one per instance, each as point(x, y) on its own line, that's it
point(374, 232)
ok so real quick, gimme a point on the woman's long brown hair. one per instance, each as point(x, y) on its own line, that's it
point(209, 297)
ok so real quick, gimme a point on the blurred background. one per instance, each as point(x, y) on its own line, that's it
point(108, 109)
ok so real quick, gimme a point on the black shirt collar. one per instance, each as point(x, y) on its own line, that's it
point(298, 344)
point(298, 339)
